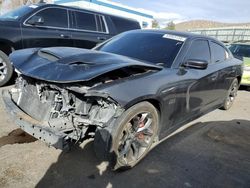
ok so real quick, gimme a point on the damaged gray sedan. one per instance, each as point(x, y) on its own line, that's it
point(127, 93)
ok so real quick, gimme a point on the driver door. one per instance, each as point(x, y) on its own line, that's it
point(197, 91)
point(52, 30)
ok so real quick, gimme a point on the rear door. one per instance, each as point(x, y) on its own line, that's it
point(54, 31)
point(88, 29)
point(221, 61)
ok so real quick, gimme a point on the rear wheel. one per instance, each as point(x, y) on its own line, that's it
point(6, 69)
point(232, 93)
point(131, 137)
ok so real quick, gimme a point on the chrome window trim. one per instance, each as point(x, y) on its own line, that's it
point(95, 14)
point(105, 23)
point(68, 28)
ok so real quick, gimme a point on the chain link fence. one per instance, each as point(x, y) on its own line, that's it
point(230, 34)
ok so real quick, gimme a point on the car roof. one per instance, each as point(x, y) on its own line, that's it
point(82, 9)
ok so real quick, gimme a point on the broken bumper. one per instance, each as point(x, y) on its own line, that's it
point(33, 127)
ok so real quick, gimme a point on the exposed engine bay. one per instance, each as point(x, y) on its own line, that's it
point(64, 108)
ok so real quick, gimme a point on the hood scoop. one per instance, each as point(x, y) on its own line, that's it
point(48, 55)
point(67, 65)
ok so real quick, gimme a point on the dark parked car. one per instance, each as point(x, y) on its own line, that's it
point(129, 96)
point(47, 25)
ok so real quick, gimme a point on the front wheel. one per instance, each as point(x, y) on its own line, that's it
point(231, 95)
point(130, 138)
point(6, 69)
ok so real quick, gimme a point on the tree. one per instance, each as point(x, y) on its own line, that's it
point(170, 26)
point(155, 24)
point(8, 5)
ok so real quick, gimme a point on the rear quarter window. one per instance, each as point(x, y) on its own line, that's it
point(220, 54)
point(124, 24)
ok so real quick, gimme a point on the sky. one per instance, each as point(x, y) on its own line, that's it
point(230, 11)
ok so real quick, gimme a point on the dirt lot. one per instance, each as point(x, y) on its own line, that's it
point(213, 152)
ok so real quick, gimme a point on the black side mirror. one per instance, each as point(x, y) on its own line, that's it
point(36, 20)
point(196, 64)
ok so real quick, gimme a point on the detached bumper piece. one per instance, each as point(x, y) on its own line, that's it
point(34, 127)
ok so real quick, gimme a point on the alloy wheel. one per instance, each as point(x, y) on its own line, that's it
point(232, 94)
point(3, 69)
point(136, 138)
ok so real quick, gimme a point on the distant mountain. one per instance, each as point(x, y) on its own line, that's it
point(199, 24)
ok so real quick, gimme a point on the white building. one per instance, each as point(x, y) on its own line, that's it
point(113, 8)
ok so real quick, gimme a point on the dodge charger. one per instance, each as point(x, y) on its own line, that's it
point(127, 93)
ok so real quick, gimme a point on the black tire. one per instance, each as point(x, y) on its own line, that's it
point(6, 69)
point(231, 95)
point(129, 138)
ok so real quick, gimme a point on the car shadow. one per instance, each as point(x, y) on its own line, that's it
point(246, 88)
point(209, 154)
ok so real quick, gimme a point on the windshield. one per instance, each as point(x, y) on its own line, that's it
point(17, 13)
point(240, 50)
point(146, 46)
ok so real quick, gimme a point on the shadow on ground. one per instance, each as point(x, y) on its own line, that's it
point(246, 88)
point(211, 154)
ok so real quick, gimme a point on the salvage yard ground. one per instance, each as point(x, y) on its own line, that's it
point(213, 152)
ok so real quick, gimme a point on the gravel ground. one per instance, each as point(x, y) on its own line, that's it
point(213, 152)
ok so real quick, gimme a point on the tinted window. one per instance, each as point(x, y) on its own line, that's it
point(85, 21)
point(124, 25)
point(199, 50)
point(146, 46)
point(54, 17)
point(232, 48)
point(240, 50)
point(219, 52)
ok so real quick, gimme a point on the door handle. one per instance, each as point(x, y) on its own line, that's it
point(64, 36)
point(214, 77)
point(101, 38)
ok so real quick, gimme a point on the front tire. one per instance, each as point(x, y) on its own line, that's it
point(6, 69)
point(130, 138)
point(231, 95)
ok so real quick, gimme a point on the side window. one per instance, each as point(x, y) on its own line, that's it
point(124, 25)
point(85, 21)
point(219, 52)
point(199, 50)
point(54, 17)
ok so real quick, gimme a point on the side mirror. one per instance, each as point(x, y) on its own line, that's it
point(36, 20)
point(196, 64)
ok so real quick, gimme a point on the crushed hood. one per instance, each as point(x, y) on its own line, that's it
point(65, 65)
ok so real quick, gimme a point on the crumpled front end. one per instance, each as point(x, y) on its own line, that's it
point(59, 113)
